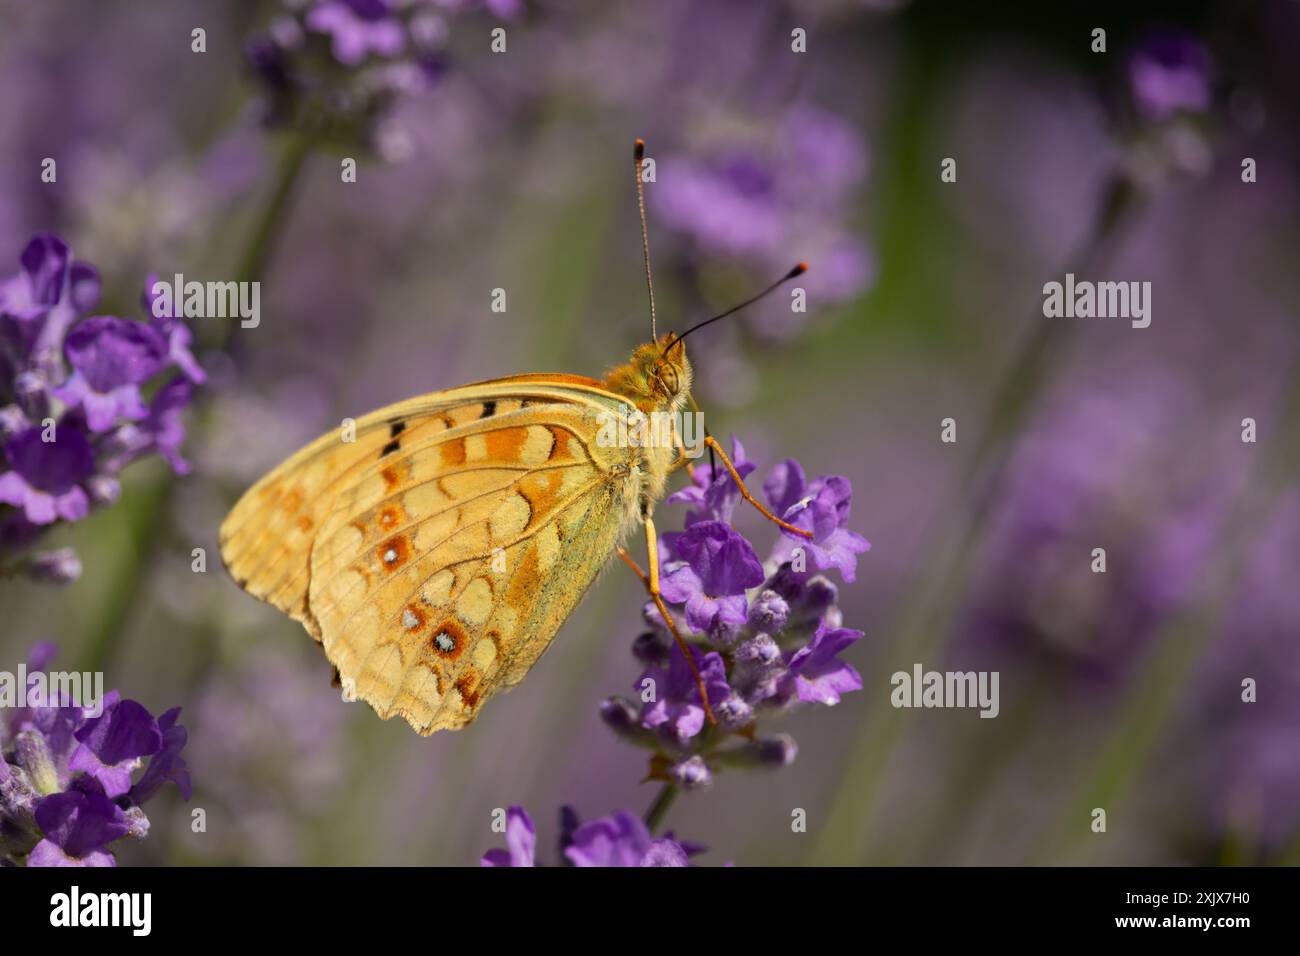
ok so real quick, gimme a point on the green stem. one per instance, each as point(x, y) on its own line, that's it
point(931, 603)
point(143, 526)
point(657, 810)
point(270, 225)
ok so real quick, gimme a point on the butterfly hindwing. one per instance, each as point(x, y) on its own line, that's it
point(436, 556)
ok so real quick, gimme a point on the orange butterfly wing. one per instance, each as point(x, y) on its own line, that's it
point(437, 554)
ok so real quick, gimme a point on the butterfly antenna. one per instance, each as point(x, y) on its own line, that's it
point(638, 153)
point(798, 270)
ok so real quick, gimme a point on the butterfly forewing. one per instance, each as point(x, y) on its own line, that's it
point(437, 554)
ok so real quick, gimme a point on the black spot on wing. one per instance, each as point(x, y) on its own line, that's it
point(489, 409)
point(391, 447)
point(396, 428)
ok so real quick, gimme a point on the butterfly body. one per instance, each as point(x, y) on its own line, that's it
point(437, 553)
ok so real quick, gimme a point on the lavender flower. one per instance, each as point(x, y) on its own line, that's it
point(110, 359)
point(715, 499)
point(815, 674)
point(676, 711)
point(822, 508)
point(749, 202)
point(358, 28)
point(66, 788)
point(77, 826)
point(619, 840)
point(110, 746)
point(337, 69)
point(717, 566)
point(1169, 73)
point(764, 636)
point(60, 566)
point(174, 331)
point(1169, 76)
point(46, 474)
point(73, 405)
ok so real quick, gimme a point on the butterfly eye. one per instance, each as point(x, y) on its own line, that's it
point(668, 376)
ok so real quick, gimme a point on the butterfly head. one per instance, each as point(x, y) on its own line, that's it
point(657, 377)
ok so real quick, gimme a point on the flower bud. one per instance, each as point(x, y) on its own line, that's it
point(769, 613)
point(819, 595)
point(34, 757)
point(137, 823)
point(691, 774)
point(12, 421)
point(733, 712)
point(778, 751)
point(770, 752)
point(759, 652)
point(620, 716)
point(60, 566)
point(103, 489)
point(32, 390)
point(650, 648)
point(665, 853)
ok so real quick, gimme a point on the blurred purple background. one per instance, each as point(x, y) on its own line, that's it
point(481, 170)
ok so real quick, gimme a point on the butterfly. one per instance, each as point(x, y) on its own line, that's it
point(436, 554)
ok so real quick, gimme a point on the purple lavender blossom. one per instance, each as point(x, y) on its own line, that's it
point(818, 676)
point(46, 478)
point(620, 839)
point(73, 406)
point(59, 566)
point(337, 69)
point(45, 265)
point(764, 638)
point(173, 330)
point(1170, 73)
point(110, 359)
point(714, 495)
point(112, 745)
point(664, 853)
point(65, 775)
point(676, 710)
point(77, 826)
point(821, 507)
point(691, 774)
point(752, 202)
point(617, 840)
point(358, 28)
point(161, 432)
point(166, 765)
point(717, 565)
point(38, 304)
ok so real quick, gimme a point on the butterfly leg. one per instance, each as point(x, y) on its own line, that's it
point(651, 582)
point(744, 492)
